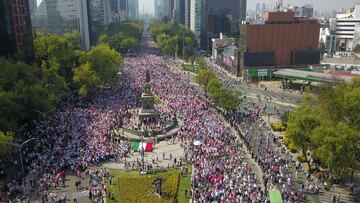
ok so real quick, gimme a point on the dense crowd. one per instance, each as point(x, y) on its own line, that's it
point(80, 136)
point(221, 172)
point(71, 138)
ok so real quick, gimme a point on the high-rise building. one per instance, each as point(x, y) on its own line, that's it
point(196, 17)
point(119, 10)
point(187, 14)
point(307, 11)
point(212, 17)
point(57, 17)
point(133, 7)
point(263, 8)
point(345, 27)
point(16, 39)
point(32, 6)
point(328, 37)
point(106, 16)
point(159, 6)
point(257, 10)
point(90, 22)
point(179, 11)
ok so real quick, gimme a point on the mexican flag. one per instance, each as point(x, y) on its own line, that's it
point(138, 146)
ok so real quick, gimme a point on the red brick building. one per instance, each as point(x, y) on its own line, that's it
point(283, 41)
point(16, 37)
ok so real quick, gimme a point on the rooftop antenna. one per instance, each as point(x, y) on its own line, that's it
point(279, 5)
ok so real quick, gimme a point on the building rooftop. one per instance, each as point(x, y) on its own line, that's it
point(346, 61)
point(313, 76)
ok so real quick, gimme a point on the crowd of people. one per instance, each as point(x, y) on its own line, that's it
point(81, 135)
point(70, 139)
point(221, 171)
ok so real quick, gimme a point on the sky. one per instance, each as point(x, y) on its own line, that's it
point(320, 5)
point(147, 6)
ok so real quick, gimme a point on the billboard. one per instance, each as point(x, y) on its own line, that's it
point(256, 59)
point(305, 57)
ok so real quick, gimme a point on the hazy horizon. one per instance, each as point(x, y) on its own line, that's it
point(321, 5)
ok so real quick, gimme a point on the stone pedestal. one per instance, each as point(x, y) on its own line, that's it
point(147, 112)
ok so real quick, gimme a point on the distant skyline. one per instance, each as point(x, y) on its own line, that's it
point(320, 5)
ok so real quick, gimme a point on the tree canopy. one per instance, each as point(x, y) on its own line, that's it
point(86, 78)
point(104, 61)
point(123, 37)
point(172, 37)
point(225, 98)
point(61, 69)
point(21, 92)
point(5, 138)
point(328, 125)
point(204, 77)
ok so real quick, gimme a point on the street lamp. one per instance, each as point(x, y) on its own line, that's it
point(43, 114)
point(19, 147)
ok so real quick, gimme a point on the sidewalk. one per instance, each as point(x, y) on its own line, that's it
point(163, 147)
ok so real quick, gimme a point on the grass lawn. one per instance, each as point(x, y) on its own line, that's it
point(185, 183)
point(193, 68)
point(132, 187)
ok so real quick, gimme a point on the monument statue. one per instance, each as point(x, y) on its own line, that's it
point(147, 76)
point(147, 112)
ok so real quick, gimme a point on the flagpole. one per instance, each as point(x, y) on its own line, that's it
point(142, 150)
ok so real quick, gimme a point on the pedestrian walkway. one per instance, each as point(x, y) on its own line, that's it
point(163, 148)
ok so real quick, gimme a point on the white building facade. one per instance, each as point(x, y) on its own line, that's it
point(195, 17)
point(345, 28)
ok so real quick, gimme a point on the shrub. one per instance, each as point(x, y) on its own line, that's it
point(301, 158)
point(278, 127)
point(313, 168)
point(292, 148)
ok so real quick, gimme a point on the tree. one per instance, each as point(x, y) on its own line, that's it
point(55, 84)
point(336, 149)
point(190, 44)
point(322, 47)
point(204, 77)
point(201, 61)
point(5, 137)
point(226, 99)
point(61, 49)
point(86, 78)
point(338, 44)
point(104, 61)
point(121, 36)
point(21, 92)
point(341, 103)
point(329, 126)
point(214, 85)
point(173, 39)
point(357, 49)
point(302, 122)
point(73, 38)
point(129, 43)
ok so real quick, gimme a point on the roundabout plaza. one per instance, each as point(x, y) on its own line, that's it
point(152, 137)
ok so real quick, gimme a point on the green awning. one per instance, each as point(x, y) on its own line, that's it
point(275, 197)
